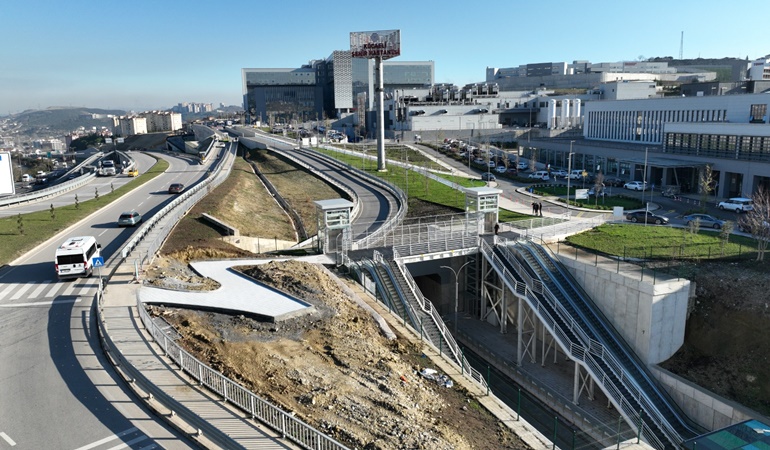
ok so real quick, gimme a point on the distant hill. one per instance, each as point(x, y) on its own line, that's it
point(59, 121)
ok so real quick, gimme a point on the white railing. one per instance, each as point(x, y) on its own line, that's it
point(279, 420)
point(580, 353)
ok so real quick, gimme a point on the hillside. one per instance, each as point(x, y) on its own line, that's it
point(55, 120)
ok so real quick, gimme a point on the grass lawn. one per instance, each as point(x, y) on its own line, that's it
point(22, 233)
point(656, 242)
point(606, 203)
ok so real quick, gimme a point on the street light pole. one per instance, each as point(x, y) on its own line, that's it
point(457, 287)
point(569, 172)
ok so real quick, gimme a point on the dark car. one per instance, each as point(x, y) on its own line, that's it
point(614, 182)
point(176, 188)
point(646, 217)
point(486, 176)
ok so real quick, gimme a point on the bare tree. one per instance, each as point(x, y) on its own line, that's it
point(757, 221)
point(533, 159)
point(705, 184)
point(598, 187)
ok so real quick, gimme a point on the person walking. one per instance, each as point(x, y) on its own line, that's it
point(540, 209)
point(534, 208)
point(497, 227)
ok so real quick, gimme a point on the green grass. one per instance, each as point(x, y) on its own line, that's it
point(655, 242)
point(22, 233)
point(607, 203)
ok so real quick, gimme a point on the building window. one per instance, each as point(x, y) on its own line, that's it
point(758, 113)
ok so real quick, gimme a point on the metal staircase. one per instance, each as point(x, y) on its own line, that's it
point(579, 345)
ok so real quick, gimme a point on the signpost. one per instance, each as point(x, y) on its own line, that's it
point(98, 262)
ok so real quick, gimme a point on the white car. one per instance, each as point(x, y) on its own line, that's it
point(500, 169)
point(635, 185)
point(561, 173)
point(737, 205)
point(523, 165)
point(539, 175)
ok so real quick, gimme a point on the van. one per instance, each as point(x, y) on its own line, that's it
point(540, 175)
point(74, 257)
point(576, 174)
point(26, 178)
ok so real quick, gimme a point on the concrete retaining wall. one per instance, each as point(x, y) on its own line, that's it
point(705, 408)
point(649, 313)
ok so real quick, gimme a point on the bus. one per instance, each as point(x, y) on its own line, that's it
point(74, 257)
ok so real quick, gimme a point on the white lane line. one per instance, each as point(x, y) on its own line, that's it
point(7, 439)
point(17, 295)
point(129, 443)
point(54, 288)
point(102, 232)
point(40, 288)
point(70, 288)
point(43, 303)
point(7, 289)
point(85, 289)
point(107, 439)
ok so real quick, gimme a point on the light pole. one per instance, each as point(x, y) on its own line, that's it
point(569, 172)
point(457, 286)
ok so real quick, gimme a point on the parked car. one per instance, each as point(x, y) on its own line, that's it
point(560, 173)
point(635, 185)
point(129, 219)
point(576, 174)
point(539, 175)
point(491, 164)
point(646, 217)
point(478, 160)
point(176, 188)
point(523, 165)
point(486, 176)
point(705, 220)
point(737, 205)
point(592, 191)
point(745, 226)
point(500, 169)
point(614, 182)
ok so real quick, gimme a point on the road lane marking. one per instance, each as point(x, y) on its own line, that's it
point(7, 439)
point(107, 439)
point(69, 289)
point(17, 295)
point(43, 303)
point(40, 288)
point(5, 291)
point(129, 443)
point(102, 232)
point(54, 288)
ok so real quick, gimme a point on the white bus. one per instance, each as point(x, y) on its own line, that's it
point(74, 258)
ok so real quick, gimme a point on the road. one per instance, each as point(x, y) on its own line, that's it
point(57, 390)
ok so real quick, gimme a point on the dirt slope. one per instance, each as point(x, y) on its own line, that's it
point(335, 370)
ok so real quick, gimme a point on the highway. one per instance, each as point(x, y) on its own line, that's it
point(57, 390)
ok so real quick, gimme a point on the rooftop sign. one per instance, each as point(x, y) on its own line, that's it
point(385, 44)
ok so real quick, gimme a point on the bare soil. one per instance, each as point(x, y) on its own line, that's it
point(337, 371)
point(727, 346)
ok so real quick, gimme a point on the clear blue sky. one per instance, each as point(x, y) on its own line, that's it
point(144, 54)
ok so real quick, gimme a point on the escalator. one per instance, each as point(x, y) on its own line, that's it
point(626, 375)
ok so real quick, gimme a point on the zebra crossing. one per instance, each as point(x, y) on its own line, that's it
point(47, 290)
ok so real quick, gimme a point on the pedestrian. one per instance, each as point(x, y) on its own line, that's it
point(540, 208)
point(497, 227)
point(534, 208)
point(537, 208)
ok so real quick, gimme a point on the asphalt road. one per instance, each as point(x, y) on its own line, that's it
point(57, 391)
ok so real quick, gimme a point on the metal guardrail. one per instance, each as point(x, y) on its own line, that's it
point(53, 191)
point(277, 419)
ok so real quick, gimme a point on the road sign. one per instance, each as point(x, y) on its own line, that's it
point(581, 194)
point(97, 261)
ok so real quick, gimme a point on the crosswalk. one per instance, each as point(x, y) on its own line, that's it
point(47, 290)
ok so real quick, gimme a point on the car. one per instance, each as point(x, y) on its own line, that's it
point(560, 173)
point(523, 165)
point(176, 188)
point(129, 219)
point(745, 226)
point(500, 169)
point(486, 176)
point(478, 160)
point(539, 175)
point(133, 172)
point(576, 174)
point(736, 205)
point(613, 182)
point(491, 164)
point(635, 185)
point(646, 217)
point(705, 220)
point(592, 191)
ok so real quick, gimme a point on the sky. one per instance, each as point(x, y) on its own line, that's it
point(153, 54)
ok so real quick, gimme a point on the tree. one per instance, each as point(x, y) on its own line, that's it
point(705, 184)
point(598, 187)
point(757, 221)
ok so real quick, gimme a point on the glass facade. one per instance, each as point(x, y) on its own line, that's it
point(749, 148)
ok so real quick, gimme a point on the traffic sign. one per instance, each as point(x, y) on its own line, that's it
point(97, 261)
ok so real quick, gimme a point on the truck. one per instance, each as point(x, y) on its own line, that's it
point(108, 168)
